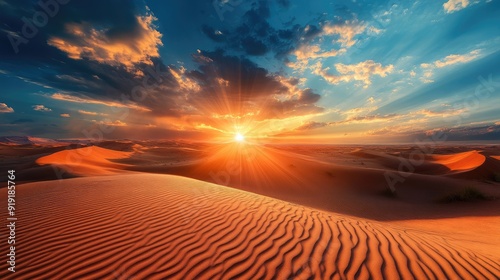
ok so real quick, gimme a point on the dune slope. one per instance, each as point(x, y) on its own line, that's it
point(167, 227)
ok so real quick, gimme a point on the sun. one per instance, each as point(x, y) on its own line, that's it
point(239, 137)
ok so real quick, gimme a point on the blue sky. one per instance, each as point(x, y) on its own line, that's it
point(330, 72)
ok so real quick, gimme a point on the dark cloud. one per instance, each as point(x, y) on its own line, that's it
point(255, 36)
point(244, 87)
point(253, 46)
point(284, 3)
point(70, 56)
point(465, 133)
point(90, 75)
point(245, 80)
point(216, 35)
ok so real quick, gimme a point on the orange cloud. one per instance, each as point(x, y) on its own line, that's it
point(346, 32)
point(41, 108)
point(442, 114)
point(90, 43)
point(83, 112)
point(455, 5)
point(306, 52)
point(456, 58)
point(5, 109)
point(65, 115)
point(185, 83)
point(110, 123)
point(71, 98)
point(447, 61)
point(354, 72)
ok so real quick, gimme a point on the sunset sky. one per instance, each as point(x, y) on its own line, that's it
point(303, 71)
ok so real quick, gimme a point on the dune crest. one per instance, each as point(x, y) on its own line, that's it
point(168, 227)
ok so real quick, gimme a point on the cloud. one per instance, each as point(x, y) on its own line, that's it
point(452, 59)
point(65, 115)
point(110, 123)
point(309, 48)
point(87, 100)
point(362, 71)
point(253, 36)
point(455, 5)
point(41, 108)
point(441, 113)
point(456, 58)
point(83, 40)
point(311, 125)
point(372, 100)
point(305, 53)
point(5, 109)
point(236, 86)
point(184, 82)
point(368, 119)
point(83, 112)
point(87, 71)
point(346, 32)
point(464, 133)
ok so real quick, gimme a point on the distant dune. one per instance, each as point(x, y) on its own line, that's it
point(30, 140)
point(460, 162)
point(88, 161)
point(167, 227)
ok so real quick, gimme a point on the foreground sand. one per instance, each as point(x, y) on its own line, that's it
point(161, 226)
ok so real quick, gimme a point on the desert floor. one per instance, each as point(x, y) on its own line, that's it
point(176, 210)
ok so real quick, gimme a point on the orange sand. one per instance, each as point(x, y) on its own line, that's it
point(167, 227)
point(89, 161)
point(460, 162)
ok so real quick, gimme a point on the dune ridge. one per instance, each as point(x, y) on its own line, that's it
point(170, 227)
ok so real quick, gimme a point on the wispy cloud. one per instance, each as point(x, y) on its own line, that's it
point(65, 115)
point(110, 123)
point(449, 60)
point(76, 99)
point(83, 112)
point(457, 58)
point(441, 113)
point(5, 109)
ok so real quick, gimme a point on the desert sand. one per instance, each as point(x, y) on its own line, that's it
point(254, 212)
point(168, 227)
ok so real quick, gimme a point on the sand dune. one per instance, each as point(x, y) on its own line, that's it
point(169, 227)
point(320, 182)
point(304, 179)
point(87, 161)
point(460, 162)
